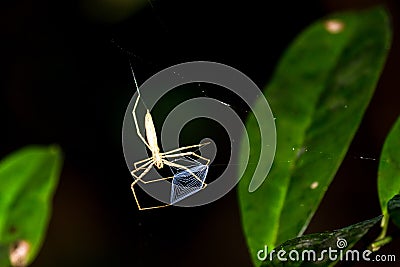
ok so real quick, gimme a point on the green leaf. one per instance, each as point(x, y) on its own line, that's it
point(318, 94)
point(340, 240)
point(394, 209)
point(28, 179)
point(389, 167)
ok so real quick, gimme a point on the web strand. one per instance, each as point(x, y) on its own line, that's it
point(136, 85)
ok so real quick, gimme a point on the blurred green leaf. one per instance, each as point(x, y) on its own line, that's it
point(318, 94)
point(112, 11)
point(28, 179)
point(342, 239)
point(389, 168)
point(394, 209)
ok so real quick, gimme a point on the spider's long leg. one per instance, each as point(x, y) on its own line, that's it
point(188, 154)
point(147, 168)
point(144, 166)
point(142, 161)
point(139, 178)
point(135, 120)
point(137, 201)
point(157, 180)
point(169, 163)
point(183, 148)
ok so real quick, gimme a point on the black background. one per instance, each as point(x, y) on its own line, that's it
point(65, 79)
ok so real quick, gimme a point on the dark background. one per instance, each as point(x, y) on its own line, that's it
point(65, 79)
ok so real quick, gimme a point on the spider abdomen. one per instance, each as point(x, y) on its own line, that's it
point(151, 133)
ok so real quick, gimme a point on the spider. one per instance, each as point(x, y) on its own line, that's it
point(158, 159)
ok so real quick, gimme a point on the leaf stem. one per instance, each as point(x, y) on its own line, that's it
point(382, 239)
